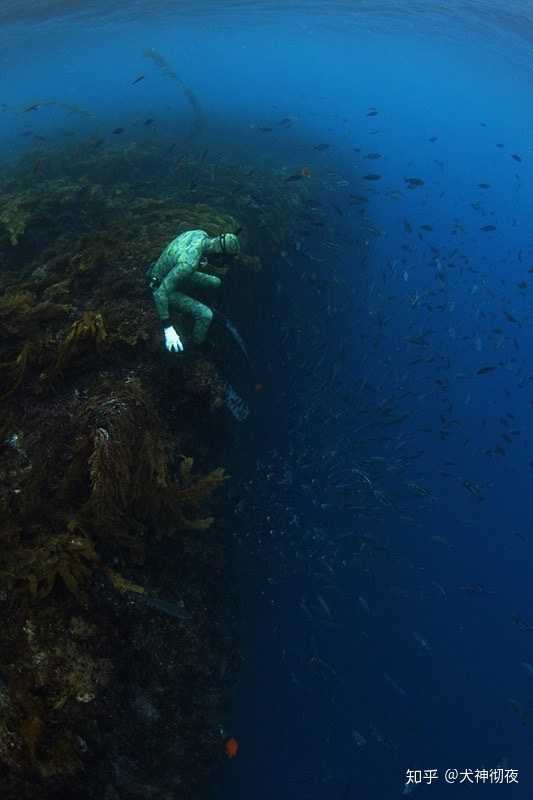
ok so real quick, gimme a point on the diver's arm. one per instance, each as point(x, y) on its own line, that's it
point(161, 298)
point(167, 286)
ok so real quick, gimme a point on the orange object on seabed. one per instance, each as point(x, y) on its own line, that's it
point(306, 172)
point(231, 747)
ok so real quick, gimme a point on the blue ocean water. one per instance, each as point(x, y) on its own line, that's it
point(394, 348)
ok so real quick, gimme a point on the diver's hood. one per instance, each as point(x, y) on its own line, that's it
point(225, 243)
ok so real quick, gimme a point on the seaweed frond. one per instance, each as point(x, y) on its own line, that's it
point(87, 333)
point(180, 499)
point(67, 559)
point(15, 371)
point(122, 584)
point(21, 314)
point(196, 490)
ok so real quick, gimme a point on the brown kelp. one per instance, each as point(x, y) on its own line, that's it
point(166, 69)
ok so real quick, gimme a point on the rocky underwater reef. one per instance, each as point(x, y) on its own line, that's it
point(118, 647)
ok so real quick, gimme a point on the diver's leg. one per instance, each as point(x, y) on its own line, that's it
point(204, 281)
point(201, 314)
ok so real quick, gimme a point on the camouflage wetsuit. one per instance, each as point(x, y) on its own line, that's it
point(178, 266)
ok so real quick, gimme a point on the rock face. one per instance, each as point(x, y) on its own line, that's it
point(113, 593)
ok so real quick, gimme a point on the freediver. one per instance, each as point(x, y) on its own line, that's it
point(178, 266)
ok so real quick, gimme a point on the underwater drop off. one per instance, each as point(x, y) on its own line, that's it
point(114, 595)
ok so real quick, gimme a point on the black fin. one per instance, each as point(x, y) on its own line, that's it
point(219, 317)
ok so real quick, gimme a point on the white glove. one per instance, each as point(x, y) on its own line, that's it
point(172, 340)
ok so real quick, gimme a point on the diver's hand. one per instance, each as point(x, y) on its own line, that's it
point(172, 340)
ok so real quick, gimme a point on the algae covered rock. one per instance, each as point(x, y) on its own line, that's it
point(14, 216)
point(110, 459)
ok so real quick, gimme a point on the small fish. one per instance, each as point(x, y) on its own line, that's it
point(422, 642)
point(231, 747)
point(372, 177)
point(427, 227)
point(357, 199)
point(475, 588)
point(485, 370)
point(414, 182)
point(364, 605)
point(517, 708)
point(358, 738)
point(392, 683)
point(34, 107)
point(118, 130)
point(320, 147)
point(521, 623)
point(373, 156)
point(516, 157)
point(421, 341)
point(488, 228)
point(484, 185)
point(296, 177)
point(305, 608)
point(265, 129)
point(372, 113)
point(440, 588)
point(148, 121)
point(324, 605)
point(376, 734)
point(473, 488)
point(137, 80)
point(433, 139)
